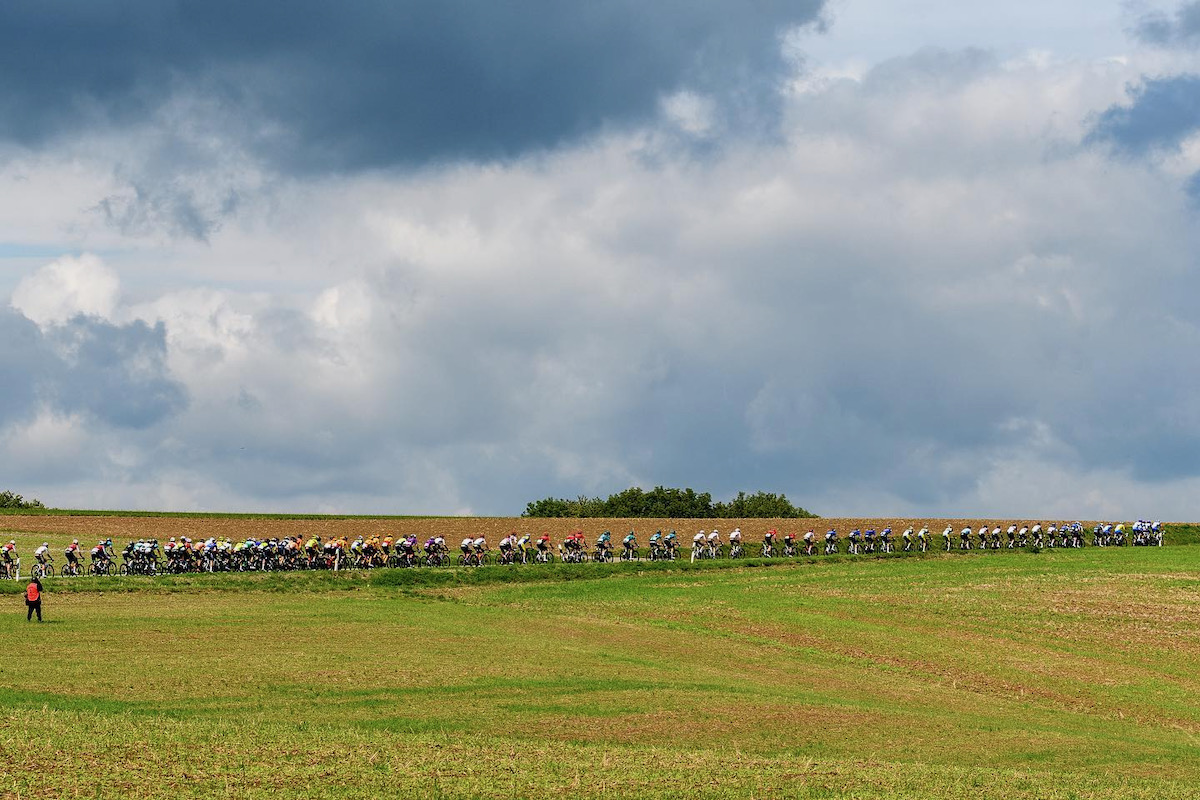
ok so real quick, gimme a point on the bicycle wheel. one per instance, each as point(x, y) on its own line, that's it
point(123, 569)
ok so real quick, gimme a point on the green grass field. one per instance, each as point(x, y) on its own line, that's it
point(1061, 674)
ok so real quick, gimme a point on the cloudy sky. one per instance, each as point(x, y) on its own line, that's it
point(923, 257)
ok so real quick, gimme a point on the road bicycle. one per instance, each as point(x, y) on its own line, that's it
point(41, 570)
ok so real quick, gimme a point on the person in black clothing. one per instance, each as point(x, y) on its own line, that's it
point(33, 599)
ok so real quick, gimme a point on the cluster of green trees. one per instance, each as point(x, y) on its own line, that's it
point(11, 500)
point(661, 502)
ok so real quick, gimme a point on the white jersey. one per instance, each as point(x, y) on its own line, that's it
point(41, 551)
point(480, 542)
point(699, 537)
point(714, 537)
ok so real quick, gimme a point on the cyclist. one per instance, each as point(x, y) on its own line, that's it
point(100, 557)
point(885, 539)
point(810, 543)
point(768, 548)
point(855, 538)
point(946, 537)
point(506, 548)
point(698, 545)
point(656, 546)
point(630, 545)
point(714, 544)
point(479, 547)
point(10, 559)
point(574, 546)
point(964, 542)
point(672, 544)
point(71, 554)
point(1011, 533)
point(543, 546)
point(522, 547)
point(831, 539)
point(432, 550)
point(869, 538)
point(923, 538)
point(42, 554)
point(604, 546)
point(407, 548)
point(735, 543)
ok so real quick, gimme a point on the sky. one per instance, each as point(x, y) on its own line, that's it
point(919, 258)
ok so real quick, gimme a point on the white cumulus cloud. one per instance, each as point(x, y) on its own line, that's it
point(66, 288)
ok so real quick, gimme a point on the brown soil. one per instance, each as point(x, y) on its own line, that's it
point(124, 528)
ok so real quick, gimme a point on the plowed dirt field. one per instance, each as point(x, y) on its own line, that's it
point(452, 528)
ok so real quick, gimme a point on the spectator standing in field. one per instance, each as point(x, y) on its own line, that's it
point(33, 599)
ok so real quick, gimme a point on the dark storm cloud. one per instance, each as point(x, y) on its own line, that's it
point(115, 374)
point(1181, 29)
point(380, 83)
point(23, 361)
point(1164, 112)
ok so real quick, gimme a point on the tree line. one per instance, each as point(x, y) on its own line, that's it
point(12, 500)
point(667, 503)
